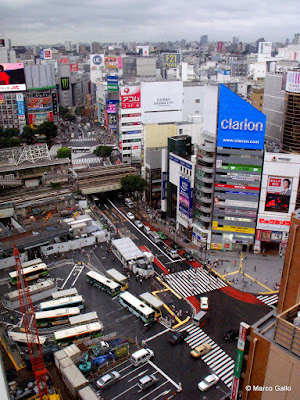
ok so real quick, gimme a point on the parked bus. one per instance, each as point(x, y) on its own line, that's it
point(20, 337)
point(33, 289)
point(64, 293)
point(152, 302)
point(101, 282)
point(64, 302)
point(55, 317)
point(30, 273)
point(84, 318)
point(30, 263)
point(137, 307)
point(118, 277)
point(78, 333)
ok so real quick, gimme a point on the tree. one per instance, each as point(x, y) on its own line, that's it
point(28, 135)
point(103, 151)
point(70, 117)
point(48, 129)
point(133, 185)
point(11, 132)
point(9, 142)
point(63, 111)
point(64, 152)
point(79, 110)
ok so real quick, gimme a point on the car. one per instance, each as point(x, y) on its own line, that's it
point(204, 303)
point(130, 216)
point(231, 335)
point(173, 254)
point(175, 246)
point(147, 381)
point(178, 337)
point(199, 351)
point(138, 223)
point(108, 379)
point(189, 257)
point(208, 382)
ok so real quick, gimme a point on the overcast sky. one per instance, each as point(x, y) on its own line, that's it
point(53, 21)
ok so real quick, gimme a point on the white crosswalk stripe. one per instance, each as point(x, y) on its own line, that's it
point(193, 281)
point(88, 160)
point(217, 360)
point(91, 139)
point(269, 300)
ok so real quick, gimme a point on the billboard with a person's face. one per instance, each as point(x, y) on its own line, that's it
point(279, 191)
point(12, 77)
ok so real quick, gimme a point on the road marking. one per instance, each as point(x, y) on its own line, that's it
point(127, 390)
point(154, 244)
point(155, 336)
point(154, 390)
point(165, 375)
point(138, 375)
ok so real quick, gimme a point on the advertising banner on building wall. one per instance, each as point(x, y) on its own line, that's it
point(97, 60)
point(12, 77)
point(38, 119)
point(65, 83)
point(112, 83)
point(2, 43)
point(229, 228)
point(278, 196)
point(111, 62)
point(130, 97)
point(293, 82)
point(274, 224)
point(162, 96)
point(39, 103)
point(240, 125)
point(73, 67)
point(171, 60)
point(47, 54)
point(221, 185)
point(185, 197)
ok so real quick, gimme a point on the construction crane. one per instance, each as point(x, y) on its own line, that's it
point(33, 341)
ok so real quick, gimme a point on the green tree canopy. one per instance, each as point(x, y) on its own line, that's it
point(70, 117)
point(11, 132)
point(48, 129)
point(79, 110)
point(63, 111)
point(103, 151)
point(9, 142)
point(64, 152)
point(133, 185)
point(28, 135)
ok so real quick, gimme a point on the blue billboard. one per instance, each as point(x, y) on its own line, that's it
point(240, 125)
point(185, 197)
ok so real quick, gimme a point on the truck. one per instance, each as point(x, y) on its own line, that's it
point(153, 235)
point(132, 258)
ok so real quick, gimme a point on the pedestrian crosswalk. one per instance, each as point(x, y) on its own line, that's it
point(88, 160)
point(90, 139)
point(269, 300)
point(193, 281)
point(217, 360)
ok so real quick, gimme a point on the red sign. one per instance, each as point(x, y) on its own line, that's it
point(258, 234)
point(73, 67)
point(1, 98)
point(132, 115)
point(273, 222)
point(235, 387)
point(131, 97)
point(237, 186)
point(64, 60)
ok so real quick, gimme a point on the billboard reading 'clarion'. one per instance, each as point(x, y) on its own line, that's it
point(240, 125)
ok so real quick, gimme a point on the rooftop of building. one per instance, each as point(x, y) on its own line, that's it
point(28, 164)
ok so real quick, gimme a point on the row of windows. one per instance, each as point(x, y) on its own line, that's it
point(186, 171)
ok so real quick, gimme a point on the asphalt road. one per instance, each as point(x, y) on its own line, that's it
point(172, 365)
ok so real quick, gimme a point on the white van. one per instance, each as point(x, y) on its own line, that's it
point(147, 229)
point(154, 236)
point(129, 203)
point(141, 356)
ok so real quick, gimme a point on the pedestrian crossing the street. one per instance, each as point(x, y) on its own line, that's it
point(216, 359)
point(88, 160)
point(193, 281)
point(269, 300)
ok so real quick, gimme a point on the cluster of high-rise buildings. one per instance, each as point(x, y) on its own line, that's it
point(213, 127)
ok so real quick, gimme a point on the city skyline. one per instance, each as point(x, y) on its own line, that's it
point(37, 22)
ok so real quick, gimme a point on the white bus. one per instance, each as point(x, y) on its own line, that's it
point(137, 307)
point(84, 318)
point(30, 273)
point(30, 263)
point(78, 333)
point(118, 277)
point(64, 302)
point(103, 283)
point(153, 302)
point(21, 338)
point(33, 289)
point(55, 317)
point(64, 293)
